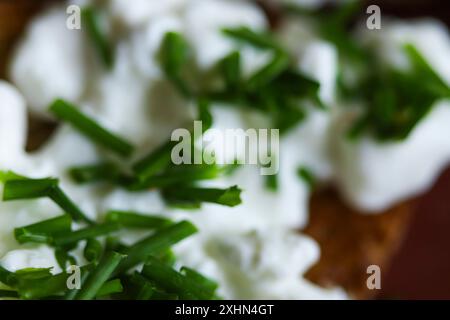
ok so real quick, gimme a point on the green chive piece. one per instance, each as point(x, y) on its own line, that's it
point(99, 276)
point(38, 188)
point(93, 173)
point(91, 21)
point(257, 39)
point(67, 112)
point(86, 233)
point(190, 195)
point(7, 277)
point(174, 55)
point(93, 250)
point(180, 174)
point(42, 287)
point(200, 279)
point(9, 175)
point(205, 115)
point(64, 258)
point(8, 294)
point(135, 220)
point(174, 282)
point(64, 202)
point(42, 232)
point(160, 241)
point(109, 288)
point(230, 68)
point(268, 73)
point(154, 162)
point(307, 176)
point(28, 188)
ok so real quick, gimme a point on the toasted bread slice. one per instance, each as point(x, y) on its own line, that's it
point(349, 241)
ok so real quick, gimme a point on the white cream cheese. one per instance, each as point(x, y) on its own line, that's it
point(374, 176)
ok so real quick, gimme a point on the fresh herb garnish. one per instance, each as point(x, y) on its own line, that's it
point(38, 188)
point(174, 55)
point(193, 196)
point(91, 21)
point(99, 276)
point(67, 112)
point(44, 231)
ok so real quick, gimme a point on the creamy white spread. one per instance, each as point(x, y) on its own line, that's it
point(254, 250)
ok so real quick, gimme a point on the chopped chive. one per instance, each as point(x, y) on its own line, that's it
point(307, 176)
point(200, 279)
point(110, 287)
point(7, 277)
point(8, 294)
point(154, 162)
point(71, 294)
point(230, 66)
point(136, 220)
point(99, 276)
point(86, 233)
point(174, 55)
point(42, 232)
point(64, 258)
point(64, 202)
point(28, 188)
point(190, 195)
point(9, 175)
point(67, 112)
point(91, 21)
point(93, 173)
point(180, 174)
point(42, 287)
point(274, 68)
point(258, 39)
point(155, 243)
point(92, 250)
point(174, 282)
point(38, 188)
point(205, 115)
point(146, 291)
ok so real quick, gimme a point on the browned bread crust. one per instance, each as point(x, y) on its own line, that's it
point(350, 241)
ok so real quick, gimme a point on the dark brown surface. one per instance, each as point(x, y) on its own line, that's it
point(351, 241)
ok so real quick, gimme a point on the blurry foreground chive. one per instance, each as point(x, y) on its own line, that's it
point(99, 276)
point(92, 250)
point(269, 72)
point(11, 294)
point(175, 282)
point(160, 241)
point(154, 162)
point(110, 287)
point(174, 55)
point(86, 233)
point(67, 112)
point(256, 39)
point(42, 232)
point(195, 196)
point(28, 188)
point(136, 220)
point(201, 280)
point(91, 21)
point(230, 67)
point(92, 173)
point(307, 176)
point(38, 188)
